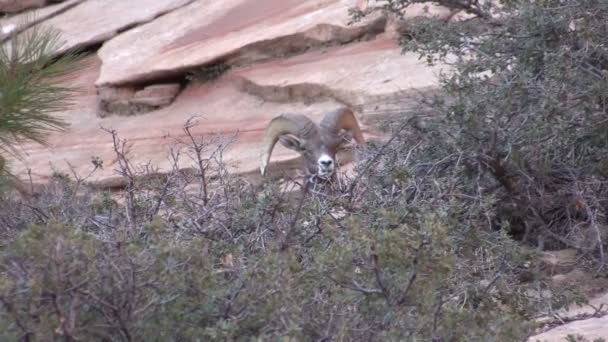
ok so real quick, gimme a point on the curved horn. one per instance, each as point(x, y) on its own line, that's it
point(343, 118)
point(296, 124)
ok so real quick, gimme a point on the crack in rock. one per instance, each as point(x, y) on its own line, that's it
point(319, 37)
point(117, 99)
point(370, 107)
point(302, 92)
point(131, 101)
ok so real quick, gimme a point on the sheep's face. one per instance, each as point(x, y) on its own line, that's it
point(319, 154)
point(317, 143)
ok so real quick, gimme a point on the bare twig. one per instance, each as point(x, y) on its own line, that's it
point(378, 154)
point(290, 228)
point(125, 170)
point(379, 280)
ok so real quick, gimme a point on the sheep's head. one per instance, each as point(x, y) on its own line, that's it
point(318, 144)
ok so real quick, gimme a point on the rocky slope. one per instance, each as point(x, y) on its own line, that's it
point(235, 64)
point(151, 61)
point(586, 322)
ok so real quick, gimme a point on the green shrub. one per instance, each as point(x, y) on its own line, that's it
point(524, 109)
point(394, 254)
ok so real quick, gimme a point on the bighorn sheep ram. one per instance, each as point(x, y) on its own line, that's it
point(317, 144)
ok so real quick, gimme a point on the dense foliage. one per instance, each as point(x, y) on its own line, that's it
point(394, 254)
point(525, 109)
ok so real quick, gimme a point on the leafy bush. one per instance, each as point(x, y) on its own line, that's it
point(525, 111)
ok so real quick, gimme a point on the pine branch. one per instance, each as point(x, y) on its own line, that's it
point(34, 86)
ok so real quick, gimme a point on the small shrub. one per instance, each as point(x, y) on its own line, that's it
point(523, 111)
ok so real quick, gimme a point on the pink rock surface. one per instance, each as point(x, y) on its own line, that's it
point(95, 21)
point(222, 106)
point(359, 75)
point(590, 329)
point(244, 99)
point(19, 22)
point(12, 6)
point(240, 30)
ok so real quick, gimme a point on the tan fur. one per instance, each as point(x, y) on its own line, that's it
point(325, 135)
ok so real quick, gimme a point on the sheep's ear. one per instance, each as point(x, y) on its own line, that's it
point(292, 142)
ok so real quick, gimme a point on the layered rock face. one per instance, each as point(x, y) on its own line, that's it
point(235, 64)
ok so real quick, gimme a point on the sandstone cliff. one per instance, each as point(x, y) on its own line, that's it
point(150, 64)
